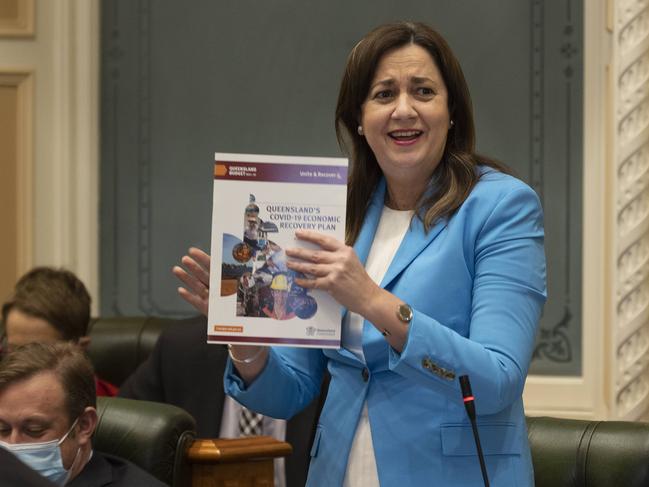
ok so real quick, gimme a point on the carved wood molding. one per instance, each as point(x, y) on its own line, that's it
point(630, 332)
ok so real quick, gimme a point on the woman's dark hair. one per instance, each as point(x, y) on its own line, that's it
point(456, 174)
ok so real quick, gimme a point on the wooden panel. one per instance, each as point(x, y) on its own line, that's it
point(9, 9)
point(15, 177)
point(8, 189)
point(236, 474)
point(16, 18)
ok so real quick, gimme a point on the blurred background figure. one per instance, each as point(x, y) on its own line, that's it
point(49, 305)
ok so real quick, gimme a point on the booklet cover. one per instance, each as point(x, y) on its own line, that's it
point(259, 202)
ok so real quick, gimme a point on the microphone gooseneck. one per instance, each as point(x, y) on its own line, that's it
point(469, 405)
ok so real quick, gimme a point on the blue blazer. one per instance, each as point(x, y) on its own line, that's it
point(476, 283)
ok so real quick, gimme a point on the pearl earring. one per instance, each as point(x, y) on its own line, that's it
point(452, 123)
point(360, 130)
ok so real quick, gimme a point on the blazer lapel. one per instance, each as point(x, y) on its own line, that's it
point(414, 242)
point(372, 217)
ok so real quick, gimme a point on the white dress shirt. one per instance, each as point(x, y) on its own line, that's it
point(361, 464)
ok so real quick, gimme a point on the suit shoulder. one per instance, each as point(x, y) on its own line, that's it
point(125, 473)
point(495, 186)
point(498, 197)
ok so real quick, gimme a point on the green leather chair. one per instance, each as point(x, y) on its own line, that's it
point(152, 435)
point(118, 345)
point(575, 453)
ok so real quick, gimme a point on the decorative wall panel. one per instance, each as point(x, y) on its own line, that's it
point(179, 84)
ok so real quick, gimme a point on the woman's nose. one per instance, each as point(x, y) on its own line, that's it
point(404, 107)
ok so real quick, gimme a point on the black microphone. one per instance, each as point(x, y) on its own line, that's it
point(469, 404)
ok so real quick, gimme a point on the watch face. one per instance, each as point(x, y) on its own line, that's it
point(404, 313)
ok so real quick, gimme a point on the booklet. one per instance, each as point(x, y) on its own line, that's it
point(259, 202)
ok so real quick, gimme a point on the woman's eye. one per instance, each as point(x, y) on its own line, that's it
point(425, 91)
point(383, 94)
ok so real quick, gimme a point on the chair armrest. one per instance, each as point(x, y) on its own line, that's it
point(235, 462)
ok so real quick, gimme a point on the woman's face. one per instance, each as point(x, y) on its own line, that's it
point(405, 117)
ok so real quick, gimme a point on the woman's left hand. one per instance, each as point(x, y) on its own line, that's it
point(334, 268)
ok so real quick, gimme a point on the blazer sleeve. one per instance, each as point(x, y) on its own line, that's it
point(508, 294)
point(296, 372)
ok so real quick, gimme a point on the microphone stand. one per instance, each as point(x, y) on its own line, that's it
point(469, 404)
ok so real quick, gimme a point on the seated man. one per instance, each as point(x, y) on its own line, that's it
point(49, 305)
point(48, 415)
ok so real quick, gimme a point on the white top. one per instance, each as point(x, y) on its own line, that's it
point(361, 464)
point(269, 427)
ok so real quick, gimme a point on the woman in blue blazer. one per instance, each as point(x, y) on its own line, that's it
point(455, 290)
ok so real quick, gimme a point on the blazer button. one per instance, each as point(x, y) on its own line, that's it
point(365, 374)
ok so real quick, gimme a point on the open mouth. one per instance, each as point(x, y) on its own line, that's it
point(405, 135)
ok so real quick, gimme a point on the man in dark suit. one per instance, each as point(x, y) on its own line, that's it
point(185, 371)
point(48, 415)
point(104, 470)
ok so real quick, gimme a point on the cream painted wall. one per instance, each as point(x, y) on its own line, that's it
point(64, 59)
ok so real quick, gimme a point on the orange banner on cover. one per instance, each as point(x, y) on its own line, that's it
point(228, 329)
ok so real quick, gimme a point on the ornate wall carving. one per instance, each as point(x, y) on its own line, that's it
point(631, 329)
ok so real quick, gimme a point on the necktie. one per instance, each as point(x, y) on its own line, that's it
point(249, 423)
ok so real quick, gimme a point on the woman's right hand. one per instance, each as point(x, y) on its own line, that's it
point(195, 275)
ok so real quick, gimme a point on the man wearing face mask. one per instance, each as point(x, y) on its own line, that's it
point(48, 415)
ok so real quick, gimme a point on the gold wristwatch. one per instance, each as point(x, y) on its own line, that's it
point(404, 313)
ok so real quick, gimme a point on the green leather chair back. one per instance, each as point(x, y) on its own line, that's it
point(119, 345)
point(152, 435)
point(574, 453)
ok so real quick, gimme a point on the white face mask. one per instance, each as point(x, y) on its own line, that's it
point(44, 457)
